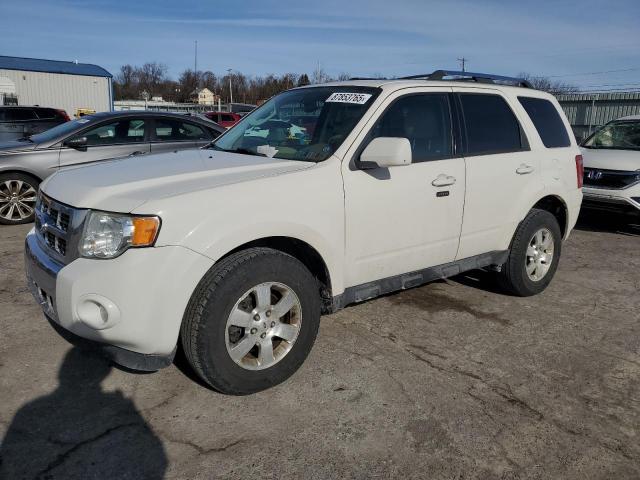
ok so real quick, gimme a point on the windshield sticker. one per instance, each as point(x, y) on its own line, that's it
point(267, 150)
point(345, 97)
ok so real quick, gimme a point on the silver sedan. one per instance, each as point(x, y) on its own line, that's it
point(103, 136)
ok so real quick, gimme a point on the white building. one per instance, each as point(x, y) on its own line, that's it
point(70, 86)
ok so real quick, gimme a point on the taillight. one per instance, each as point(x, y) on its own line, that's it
point(579, 170)
point(64, 115)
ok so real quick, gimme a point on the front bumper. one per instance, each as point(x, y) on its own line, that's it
point(619, 201)
point(144, 293)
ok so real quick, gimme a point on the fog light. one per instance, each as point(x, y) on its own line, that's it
point(97, 312)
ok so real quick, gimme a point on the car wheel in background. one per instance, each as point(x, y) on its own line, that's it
point(251, 321)
point(18, 193)
point(534, 255)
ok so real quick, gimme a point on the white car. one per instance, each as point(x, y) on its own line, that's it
point(612, 167)
point(237, 249)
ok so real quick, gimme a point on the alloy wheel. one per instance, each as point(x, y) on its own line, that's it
point(539, 254)
point(17, 200)
point(263, 326)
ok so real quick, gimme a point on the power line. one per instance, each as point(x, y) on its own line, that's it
point(463, 62)
point(612, 85)
point(592, 73)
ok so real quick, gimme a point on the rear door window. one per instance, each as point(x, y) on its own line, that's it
point(490, 124)
point(170, 130)
point(546, 119)
point(20, 114)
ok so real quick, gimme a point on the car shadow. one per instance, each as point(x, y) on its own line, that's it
point(595, 221)
point(480, 279)
point(81, 431)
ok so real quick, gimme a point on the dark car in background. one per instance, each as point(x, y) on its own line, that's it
point(24, 163)
point(19, 121)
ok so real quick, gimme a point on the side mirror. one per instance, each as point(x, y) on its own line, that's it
point(385, 152)
point(79, 143)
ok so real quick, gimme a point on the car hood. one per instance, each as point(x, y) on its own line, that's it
point(16, 147)
point(124, 184)
point(628, 160)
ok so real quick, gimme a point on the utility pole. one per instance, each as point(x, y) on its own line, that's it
point(195, 65)
point(230, 88)
point(463, 62)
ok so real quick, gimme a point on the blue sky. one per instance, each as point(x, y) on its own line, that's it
point(568, 40)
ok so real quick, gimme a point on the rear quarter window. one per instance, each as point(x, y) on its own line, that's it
point(46, 113)
point(546, 119)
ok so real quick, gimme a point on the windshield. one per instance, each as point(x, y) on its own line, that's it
point(61, 130)
point(623, 135)
point(304, 124)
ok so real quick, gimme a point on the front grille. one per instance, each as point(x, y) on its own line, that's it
point(58, 227)
point(610, 179)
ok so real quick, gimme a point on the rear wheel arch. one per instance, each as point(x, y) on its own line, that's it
point(557, 207)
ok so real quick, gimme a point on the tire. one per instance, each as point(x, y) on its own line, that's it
point(514, 276)
point(232, 285)
point(18, 194)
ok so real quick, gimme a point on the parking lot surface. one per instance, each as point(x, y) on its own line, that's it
point(450, 380)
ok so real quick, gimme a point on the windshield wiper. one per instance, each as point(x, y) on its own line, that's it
point(25, 139)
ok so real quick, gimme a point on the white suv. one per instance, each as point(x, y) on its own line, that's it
point(238, 248)
point(612, 167)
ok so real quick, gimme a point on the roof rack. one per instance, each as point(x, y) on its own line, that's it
point(471, 77)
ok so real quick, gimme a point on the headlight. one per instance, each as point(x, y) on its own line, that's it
point(107, 235)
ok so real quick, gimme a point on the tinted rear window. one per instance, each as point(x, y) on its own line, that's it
point(547, 121)
point(491, 126)
point(19, 114)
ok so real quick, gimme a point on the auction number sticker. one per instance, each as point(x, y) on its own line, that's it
point(345, 97)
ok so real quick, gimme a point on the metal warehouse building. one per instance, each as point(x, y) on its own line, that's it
point(587, 111)
point(50, 83)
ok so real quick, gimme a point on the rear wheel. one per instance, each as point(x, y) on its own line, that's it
point(252, 321)
point(18, 194)
point(534, 255)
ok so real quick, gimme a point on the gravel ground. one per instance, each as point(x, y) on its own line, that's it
point(450, 380)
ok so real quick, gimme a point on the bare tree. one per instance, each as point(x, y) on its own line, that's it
point(152, 77)
point(555, 87)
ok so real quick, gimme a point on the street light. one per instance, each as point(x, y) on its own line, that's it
point(230, 88)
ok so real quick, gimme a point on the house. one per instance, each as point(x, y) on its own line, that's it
point(204, 96)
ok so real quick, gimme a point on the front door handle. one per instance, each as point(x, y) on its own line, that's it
point(443, 180)
point(523, 169)
point(135, 154)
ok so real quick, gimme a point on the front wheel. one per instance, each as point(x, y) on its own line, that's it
point(252, 321)
point(18, 194)
point(534, 255)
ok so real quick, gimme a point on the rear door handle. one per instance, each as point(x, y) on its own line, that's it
point(135, 154)
point(443, 180)
point(523, 169)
